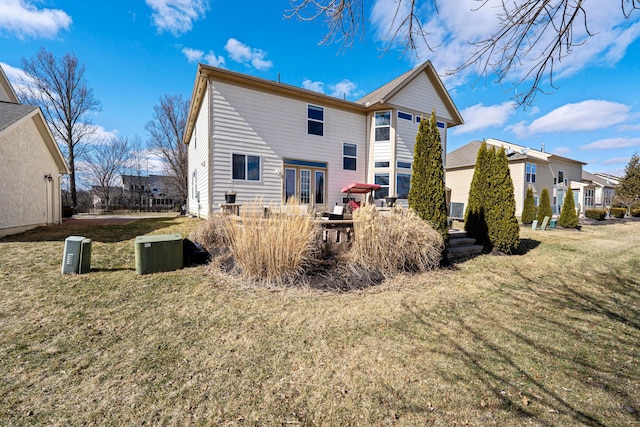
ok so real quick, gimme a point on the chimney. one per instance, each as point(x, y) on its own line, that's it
point(542, 149)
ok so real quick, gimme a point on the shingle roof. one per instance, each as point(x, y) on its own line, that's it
point(463, 156)
point(380, 93)
point(10, 113)
point(588, 176)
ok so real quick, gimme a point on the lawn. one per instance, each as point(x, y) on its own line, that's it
point(549, 337)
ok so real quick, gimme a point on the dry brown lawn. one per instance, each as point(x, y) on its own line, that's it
point(548, 337)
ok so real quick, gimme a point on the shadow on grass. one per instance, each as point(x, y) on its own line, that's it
point(545, 334)
point(98, 233)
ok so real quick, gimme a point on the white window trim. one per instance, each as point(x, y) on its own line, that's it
point(246, 167)
point(349, 156)
point(315, 120)
point(375, 126)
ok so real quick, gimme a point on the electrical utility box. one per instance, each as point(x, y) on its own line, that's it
point(77, 255)
point(161, 252)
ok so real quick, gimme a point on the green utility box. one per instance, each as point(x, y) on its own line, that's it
point(77, 255)
point(161, 252)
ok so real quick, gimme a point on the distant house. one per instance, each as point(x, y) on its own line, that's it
point(529, 168)
point(148, 192)
point(275, 141)
point(31, 166)
point(597, 189)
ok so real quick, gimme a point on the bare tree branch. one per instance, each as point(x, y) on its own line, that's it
point(105, 162)
point(59, 88)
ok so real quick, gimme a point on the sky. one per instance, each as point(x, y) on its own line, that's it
point(136, 51)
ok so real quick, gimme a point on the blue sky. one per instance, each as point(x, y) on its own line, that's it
point(137, 50)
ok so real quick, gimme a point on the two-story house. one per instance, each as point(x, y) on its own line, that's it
point(266, 139)
point(529, 168)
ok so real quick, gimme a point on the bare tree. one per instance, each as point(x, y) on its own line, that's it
point(59, 88)
point(541, 31)
point(166, 130)
point(138, 170)
point(104, 163)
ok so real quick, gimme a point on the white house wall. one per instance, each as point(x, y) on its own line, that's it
point(274, 127)
point(28, 198)
point(198, 159)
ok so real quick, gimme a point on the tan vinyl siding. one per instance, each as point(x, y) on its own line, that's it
point(518, 176)
point(459, 181)
point(28, 198)
point(274, 127)
point(420, 95)
point(405, 139)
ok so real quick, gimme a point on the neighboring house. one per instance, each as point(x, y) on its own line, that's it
point(596, 189)
point(31, 166)
point(265, 139)
point(528, 167)
point(154, 192)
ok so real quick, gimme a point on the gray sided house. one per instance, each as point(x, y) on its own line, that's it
point(31, 166)
point(269, 140)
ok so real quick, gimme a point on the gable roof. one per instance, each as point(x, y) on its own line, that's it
point(11, 113)
point(597, 179)
point(384, 93)
point(369, 102)
point(6, 90)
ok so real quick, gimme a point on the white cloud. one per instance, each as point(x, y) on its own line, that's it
point(456, 25)
point(314, 86)
point(612, 143)
point(343, 89)
point(628, 128)
point(479, 117)
point(582, 116)
point(195, 55)
point(617, 161)
point(562, 151)
point(177, 16)
point(244, 54)
point(22, 19)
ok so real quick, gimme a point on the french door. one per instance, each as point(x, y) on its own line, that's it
point(305, 183)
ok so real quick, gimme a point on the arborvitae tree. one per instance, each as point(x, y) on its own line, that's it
point(545, 206)
point(427, 192)
point(529, 210)
point(475, 223)
point(568, 217)
point(504, 231)
point(629, 189)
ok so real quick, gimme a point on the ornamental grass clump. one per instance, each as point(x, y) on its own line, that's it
point(273, 250)
point(394, 243)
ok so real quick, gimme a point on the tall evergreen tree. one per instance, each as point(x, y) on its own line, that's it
point(545, 206)
point(628, 191)
point(568, 217)
point(427, 192)
point(475, 223)
point(529, 210)
point(504, 231)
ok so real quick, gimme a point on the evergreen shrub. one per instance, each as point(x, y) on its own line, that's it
point(617, 212)
point(597, 214)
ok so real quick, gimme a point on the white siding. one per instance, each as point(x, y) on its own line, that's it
point(420, 95)
point(198, 158)
point(274, 127)
point(406, 139)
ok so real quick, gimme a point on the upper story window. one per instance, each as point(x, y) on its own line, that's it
point(245, 167)
point(403, 165)
point(531, 172)
point(349, 156)
point(561, 178)
point(315, 120)
point(441, 125)
point(381, 165)
point(383, 125)
point(405, 116)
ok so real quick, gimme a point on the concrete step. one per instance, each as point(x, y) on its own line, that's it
point(461, 241)
point(466, 251)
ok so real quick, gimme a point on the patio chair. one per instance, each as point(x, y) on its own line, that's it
point(335, 215)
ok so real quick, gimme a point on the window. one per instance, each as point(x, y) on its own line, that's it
point(440, 125)
point(383, 125)
point(588, 196)
point(560, 177)
point(403, 165)
point(381, 164)
point(405, 116)
point(349, 156)
point(245, 167)
point(383, 180)
point(315, 120)
point(403, 182)
point(305, 181)
point(194, 184)
point(531, 172)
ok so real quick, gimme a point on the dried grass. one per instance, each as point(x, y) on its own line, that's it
point(276, 249)
point(394, 243)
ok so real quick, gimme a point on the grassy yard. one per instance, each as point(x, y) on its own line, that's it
point(550, 337)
